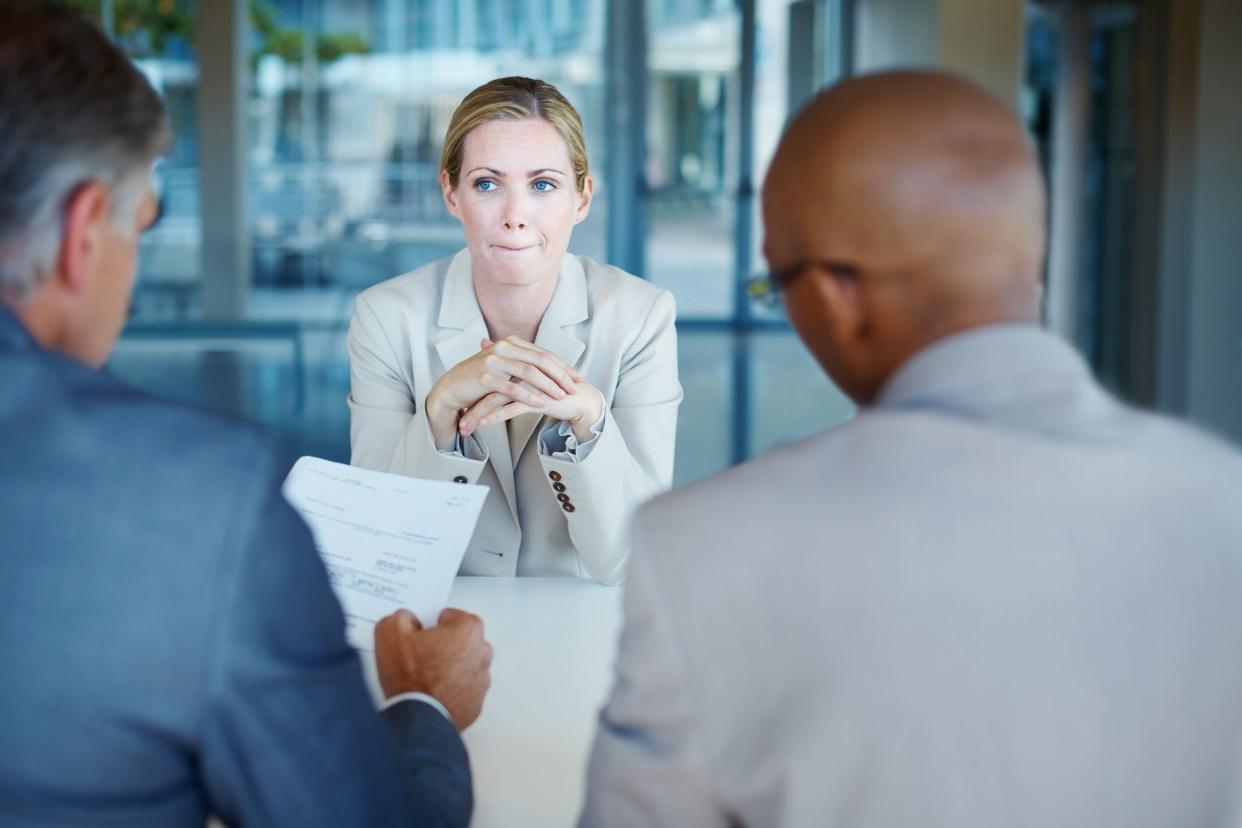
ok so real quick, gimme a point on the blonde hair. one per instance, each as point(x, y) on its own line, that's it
point(514, 99)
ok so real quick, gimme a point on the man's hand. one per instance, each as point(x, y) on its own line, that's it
point(450, 662)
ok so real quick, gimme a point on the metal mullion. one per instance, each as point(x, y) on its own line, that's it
point(625, 62)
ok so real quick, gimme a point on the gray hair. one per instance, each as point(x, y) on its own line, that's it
point(73, 109)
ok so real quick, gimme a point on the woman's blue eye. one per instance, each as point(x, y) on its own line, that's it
point(544, 186)
point(485, 185)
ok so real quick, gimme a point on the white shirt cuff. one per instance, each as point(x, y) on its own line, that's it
point(422, 697)
point(560, 443)
point(467, 448)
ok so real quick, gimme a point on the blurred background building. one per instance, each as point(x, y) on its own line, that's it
point(308, 136)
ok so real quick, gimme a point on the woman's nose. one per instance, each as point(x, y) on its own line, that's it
point(515, 215)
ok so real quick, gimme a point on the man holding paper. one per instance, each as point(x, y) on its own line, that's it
point(169, 644)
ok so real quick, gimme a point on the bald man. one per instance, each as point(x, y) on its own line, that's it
point(997, 597)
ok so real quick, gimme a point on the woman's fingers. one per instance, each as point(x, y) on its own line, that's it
point(506, 412)
point(470, 421)
point(514, 370)
point(546, 361)
point(518, 391)
point(552, 365)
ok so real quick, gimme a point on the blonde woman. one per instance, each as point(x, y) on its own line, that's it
point(546, 376)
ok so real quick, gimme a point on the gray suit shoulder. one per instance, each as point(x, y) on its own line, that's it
point(844, 473)
point(165, 446)
point(1187, 442)
point(707, 517)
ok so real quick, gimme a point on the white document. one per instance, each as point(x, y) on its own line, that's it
point(388, 541)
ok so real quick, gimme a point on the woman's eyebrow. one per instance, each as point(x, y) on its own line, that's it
point(544, 171)
point(491, 170)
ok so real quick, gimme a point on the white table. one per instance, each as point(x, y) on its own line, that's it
point(555, 641)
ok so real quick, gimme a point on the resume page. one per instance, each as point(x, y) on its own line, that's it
point(388, 541)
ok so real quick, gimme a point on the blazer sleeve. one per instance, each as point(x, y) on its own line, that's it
point(388, 429)
point(647, 768)
point(632, 459)
point(289, 736)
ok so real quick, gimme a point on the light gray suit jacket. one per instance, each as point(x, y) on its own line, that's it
point(544, 515)
point(996, 598)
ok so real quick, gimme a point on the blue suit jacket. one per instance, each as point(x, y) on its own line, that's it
point(169, 643)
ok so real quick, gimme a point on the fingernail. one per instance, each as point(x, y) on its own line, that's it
point(404, 622)
point(483, 421)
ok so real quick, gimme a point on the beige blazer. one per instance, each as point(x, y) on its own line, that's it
point(543, 516)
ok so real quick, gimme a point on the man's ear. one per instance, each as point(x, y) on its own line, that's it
point(584, 198)
point(86, 217)
point(450, 195)
point(844, 303)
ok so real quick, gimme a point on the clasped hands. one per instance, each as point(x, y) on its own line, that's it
point(504, 380)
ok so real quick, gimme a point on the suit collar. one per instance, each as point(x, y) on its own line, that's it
point(460, 320)
point(462, 324)
point(459, 309)
point(1006, 371)
point(568, 307)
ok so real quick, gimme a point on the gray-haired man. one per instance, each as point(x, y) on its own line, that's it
point(169, 644)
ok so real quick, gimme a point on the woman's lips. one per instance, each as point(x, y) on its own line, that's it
point(504, 248)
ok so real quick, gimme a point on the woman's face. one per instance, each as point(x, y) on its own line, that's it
point(517, 200)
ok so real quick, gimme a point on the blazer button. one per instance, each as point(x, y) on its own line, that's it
point(568, 507)
point(459, 479)
point(559, 487)
point(554, 475)
point(563, 498)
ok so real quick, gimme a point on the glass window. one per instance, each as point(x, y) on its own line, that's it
point(347, 104)
point(346, 126)
point(1109, 161)
point(691, 167)
point(159, 36)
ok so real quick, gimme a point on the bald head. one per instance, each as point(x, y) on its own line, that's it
point(926, 193)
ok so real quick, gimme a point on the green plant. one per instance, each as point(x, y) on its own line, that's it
point(144, 27)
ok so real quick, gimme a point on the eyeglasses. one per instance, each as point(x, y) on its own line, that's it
point(768, 289)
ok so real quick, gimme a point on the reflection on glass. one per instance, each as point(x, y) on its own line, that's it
point(695, 134)
point(705, 419)
point(691, 165)
point(779, 364)
point(792, 64)
point(1106, 271)
point(348, 101)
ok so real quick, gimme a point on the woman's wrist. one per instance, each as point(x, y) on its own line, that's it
point(443, 422)
point(588, 417)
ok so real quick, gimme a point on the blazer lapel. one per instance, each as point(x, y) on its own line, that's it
point(567, 309)
point(462, 321)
